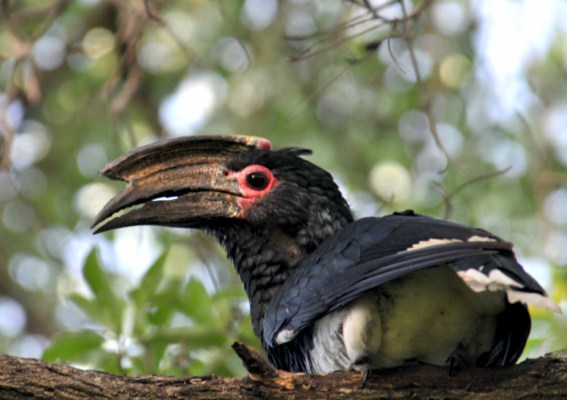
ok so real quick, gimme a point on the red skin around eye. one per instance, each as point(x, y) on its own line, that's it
point(249, 194)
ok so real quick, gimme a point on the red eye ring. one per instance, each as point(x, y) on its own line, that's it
point(256, 181)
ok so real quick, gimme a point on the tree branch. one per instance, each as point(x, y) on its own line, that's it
point(544, 377)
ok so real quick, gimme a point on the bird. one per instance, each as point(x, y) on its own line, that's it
point(327, 291)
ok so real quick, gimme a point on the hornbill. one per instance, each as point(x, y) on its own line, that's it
point(328, 292)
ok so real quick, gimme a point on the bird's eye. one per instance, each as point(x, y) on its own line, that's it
point(257, 180)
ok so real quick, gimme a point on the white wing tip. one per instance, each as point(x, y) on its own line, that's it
point(533, 299)
point(287, 335)
point(496, 280)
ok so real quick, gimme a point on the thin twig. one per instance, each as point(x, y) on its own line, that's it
point(393, 55)
point(126, 79)
point(234, 30)
point(152, 13)
point(10, 94)
point(425, 99)
point(309, 52)
point(23, 69)
point(7, 22)
point(533, 142)
point(448, 196)
point(7, 130)
point(254, 363)
point(372, 15)
point(320, 89)
point(55, 10)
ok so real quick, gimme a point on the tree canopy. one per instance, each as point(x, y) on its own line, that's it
point(445, 107)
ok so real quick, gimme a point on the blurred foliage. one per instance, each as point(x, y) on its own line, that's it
point(166, 324)
point(400, 102)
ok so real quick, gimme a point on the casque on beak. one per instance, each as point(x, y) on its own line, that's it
point(179, 182)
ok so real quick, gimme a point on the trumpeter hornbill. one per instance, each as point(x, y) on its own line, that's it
point(327, 292)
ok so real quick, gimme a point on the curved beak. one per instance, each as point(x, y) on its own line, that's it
point(181, 182)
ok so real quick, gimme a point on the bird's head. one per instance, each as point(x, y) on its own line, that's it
point(208, 182)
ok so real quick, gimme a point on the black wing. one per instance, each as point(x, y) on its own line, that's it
point(372, 251)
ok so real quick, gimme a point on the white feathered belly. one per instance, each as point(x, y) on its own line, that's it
point(425, 316)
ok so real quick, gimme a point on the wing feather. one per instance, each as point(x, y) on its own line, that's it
point(372, 251)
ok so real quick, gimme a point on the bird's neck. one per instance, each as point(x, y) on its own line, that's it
point(265, 257)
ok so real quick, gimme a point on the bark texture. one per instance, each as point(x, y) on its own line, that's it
point(542, 378)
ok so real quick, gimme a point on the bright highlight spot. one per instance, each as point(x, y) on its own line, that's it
point(12, 317)
point(91, 198)
point(455, 70)
point(449, 17)
point(187, 110)
point(49, 52)
point(390, 181)
point(259, 14)
point(98, 42)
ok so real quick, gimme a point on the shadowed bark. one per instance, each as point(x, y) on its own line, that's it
point(542, 378)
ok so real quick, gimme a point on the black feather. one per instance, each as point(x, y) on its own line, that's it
point(372, 251)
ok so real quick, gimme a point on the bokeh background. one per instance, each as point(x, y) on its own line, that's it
point(454, 108)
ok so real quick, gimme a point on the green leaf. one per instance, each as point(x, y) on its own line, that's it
point(149, 282)
point(73, 346)
point(197, 304)
point(194, 337)
point(97, 278)
point(154, 354)
point(88, 306)
point(104, 313)
point(108, 361)
point(161, 306)
point(232, 293)
point(111, 306)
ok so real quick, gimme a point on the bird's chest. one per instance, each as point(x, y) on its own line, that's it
point(425, 316)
